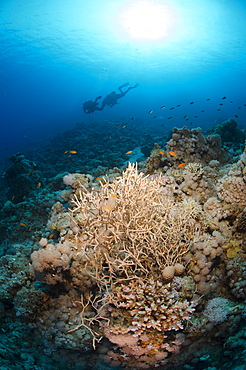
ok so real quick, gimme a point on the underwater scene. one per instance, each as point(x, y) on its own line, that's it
point(123, 185)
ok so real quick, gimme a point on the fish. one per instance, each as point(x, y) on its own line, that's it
point(161, 152)
point(239, 108)
point(72, 151)
point(185, 116)
point(224, 97)
point(155, 117)
point(22, 224)
point(195, 116)
point(202, 111)
point(231, 101)
point(99, 178)
point(221, 104)
point(236, 116)
point(208, 99)
point(181, 165)
point(51, 236)
point(244, 105)
point(170, 117)
point(121, 137)
point(218, 110)
point(151, 111)
point(133, 118)
point(163, 107)
point(191, 102)
point(129, 152)
point(171, 108)
point(179, 105)
point(173, 154)
point(39, 184)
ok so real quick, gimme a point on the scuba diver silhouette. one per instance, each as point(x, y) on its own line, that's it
point(110, 100)
point(90, 106)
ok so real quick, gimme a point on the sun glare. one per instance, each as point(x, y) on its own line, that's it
point(147, 21)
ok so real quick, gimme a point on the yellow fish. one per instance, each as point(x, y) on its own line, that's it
point(181, 165)
point(161, 152)
point(129, 152)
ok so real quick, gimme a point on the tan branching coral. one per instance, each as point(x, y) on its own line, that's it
point(131, 229)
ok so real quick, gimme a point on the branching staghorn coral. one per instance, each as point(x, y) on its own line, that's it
point(131, 229)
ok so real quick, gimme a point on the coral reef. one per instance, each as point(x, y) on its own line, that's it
point(143, 267)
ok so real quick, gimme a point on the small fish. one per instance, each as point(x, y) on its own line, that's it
point(244, 105)
point(185, 116)
point(110, 137)
point(119, 125)
point(161, 152)
point(133, 118)
point(202, 111)
point(170, 117)
point(171, 108)
point(155, 117)
point(121, 137)
point(72, 151)
point(191, 123)
point(187, 119)
point(22, 224)
point(113, 195)
point(239, 108)
point(195, 116)
point(191, 102)
point(179, 105)
point(236, 116)
point(38, 185)
point(173, 154)
point(231, 101)
point(208, 99)
point(224, 97)
point(221, 104)
point(51, 236)
point(151, 111)
point(129, 152)
point(181, 165)
point(99, 178)
point(13, 197)
point(218, 110)
point(163, 107)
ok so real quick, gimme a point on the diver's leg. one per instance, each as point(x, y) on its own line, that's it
point(120, 88)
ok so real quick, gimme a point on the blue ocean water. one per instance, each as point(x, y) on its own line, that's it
point(56, 55)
